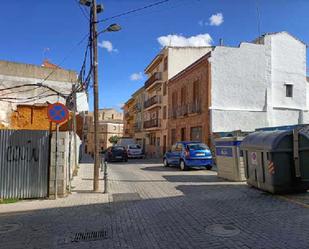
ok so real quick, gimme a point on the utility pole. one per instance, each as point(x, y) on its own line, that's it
point(96, 97)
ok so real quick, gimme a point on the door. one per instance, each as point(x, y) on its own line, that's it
point(164, 144)
point(183, 134)
point(176, 153)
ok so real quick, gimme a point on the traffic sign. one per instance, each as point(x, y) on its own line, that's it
point(57, 113)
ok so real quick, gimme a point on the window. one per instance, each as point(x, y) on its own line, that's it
point(196, 92)
point(164, 89)
point(196, 133)
point(289, 90)
point(165, 64)
point(173, 136)
point(183, 134)
point(164, 112)
point(179, 147)
point(183, 96)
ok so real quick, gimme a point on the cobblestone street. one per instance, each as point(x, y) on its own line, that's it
point(149, 206)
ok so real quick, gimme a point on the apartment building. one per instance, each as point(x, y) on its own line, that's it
point(258, 84)
point(169, 62)
point(129, 118)
point(110, 124)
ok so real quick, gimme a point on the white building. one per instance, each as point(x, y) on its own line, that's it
point(259, 84)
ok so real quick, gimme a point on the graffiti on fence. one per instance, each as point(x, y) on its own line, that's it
point(19, 153)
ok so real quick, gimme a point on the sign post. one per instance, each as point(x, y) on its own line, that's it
point(57, 113)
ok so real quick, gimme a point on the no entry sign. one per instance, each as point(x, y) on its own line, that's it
point(57, 113)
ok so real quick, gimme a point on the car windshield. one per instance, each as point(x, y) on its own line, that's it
point(134, 146)
point(197, 146)
point(117, 148)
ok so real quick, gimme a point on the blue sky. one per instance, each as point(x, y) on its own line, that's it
point(28, 27)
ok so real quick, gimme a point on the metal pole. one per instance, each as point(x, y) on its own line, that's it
point(105, 178)
point(74, 128)
point(56, 160)
point(96, 98)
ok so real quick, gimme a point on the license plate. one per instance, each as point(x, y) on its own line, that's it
point(118, 157)
point(200, 154)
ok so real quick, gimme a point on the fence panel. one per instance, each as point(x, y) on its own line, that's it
point(24, 163)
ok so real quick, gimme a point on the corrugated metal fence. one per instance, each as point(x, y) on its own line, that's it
point(24, 163)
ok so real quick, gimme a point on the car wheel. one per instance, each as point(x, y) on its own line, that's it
point(165, 163)
point(182, 165)
point(208, 167)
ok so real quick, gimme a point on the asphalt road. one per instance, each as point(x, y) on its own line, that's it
point(150, 206)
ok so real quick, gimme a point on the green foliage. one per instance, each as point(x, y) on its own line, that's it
point(113, 139)
point(8, 201)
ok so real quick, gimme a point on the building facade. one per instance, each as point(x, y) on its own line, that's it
point(110, 124)
point(258, 84)
point(26, 91)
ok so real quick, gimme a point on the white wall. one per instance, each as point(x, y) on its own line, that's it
point(288, 66)
point(181, 57)
point(238, 88)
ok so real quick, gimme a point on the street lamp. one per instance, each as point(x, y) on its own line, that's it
point(94, 35)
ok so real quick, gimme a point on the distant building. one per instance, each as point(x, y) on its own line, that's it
point(24, 102)
point(258, 84)
point(110, 124)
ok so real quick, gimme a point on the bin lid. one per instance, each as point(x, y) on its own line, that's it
point(268, 140)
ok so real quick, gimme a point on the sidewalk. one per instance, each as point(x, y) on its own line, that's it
point(82, 194)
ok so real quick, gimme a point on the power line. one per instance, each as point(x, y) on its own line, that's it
point(83, 11)
point(133, 11)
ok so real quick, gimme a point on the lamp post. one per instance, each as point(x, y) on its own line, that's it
point(94, 35)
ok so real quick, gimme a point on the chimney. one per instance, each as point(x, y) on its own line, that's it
point(221, 42)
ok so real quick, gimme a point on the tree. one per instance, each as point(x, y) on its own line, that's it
point(113, 139)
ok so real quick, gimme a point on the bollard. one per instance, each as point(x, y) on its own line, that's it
point(105, 178)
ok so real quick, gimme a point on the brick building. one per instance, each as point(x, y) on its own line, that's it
point(189, 103)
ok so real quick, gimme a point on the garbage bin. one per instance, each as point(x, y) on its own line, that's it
point(277, 161)
point(229, 158)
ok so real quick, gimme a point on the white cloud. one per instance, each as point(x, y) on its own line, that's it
point(108, 46)
point(136, 76)
point(181, 41)
point(216, 19)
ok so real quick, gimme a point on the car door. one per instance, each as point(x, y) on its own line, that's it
point(178, 153)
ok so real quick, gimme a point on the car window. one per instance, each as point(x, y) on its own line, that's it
point(174, 147)
point(134, 146)
point(118, 148)
point(198, 146)
point(179, 147)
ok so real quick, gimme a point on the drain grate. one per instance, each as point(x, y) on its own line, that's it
point(222, 230)
point(90, 236)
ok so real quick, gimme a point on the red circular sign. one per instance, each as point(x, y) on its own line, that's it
point(57, 113)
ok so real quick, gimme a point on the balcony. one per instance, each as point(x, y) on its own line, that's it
point(153, 78)
point(138, 126)
point(153, 123)
point(186, 109)
point(137, 107)
point(152, 101)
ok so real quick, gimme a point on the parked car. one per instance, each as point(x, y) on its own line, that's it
point(115, 153)
point(189, 154)
point(135, 151)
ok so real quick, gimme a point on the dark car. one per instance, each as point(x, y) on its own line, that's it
point(189, 154)
point(116, 153)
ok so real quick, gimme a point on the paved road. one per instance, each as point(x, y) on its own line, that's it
point(154, 207)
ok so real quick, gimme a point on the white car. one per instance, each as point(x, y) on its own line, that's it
point(135, 151)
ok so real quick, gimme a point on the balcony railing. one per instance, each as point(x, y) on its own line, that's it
point(185, 109)
point(152, 101)
point(153, 78)
point(152, 123)
point(138, 126)
point(137, 107)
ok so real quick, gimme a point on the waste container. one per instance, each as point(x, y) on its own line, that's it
point(229, 158)
point(277, 161)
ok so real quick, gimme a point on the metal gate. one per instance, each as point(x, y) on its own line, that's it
point(24, 163)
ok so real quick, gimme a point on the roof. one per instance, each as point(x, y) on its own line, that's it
point(279, 32)
point(38, 72)
point(138, 91)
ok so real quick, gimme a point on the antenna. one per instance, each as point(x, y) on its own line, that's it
point(258, 20)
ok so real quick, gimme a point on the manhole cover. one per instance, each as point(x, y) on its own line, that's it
point(9, 227)
point(90, 236)
point(222, 230)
